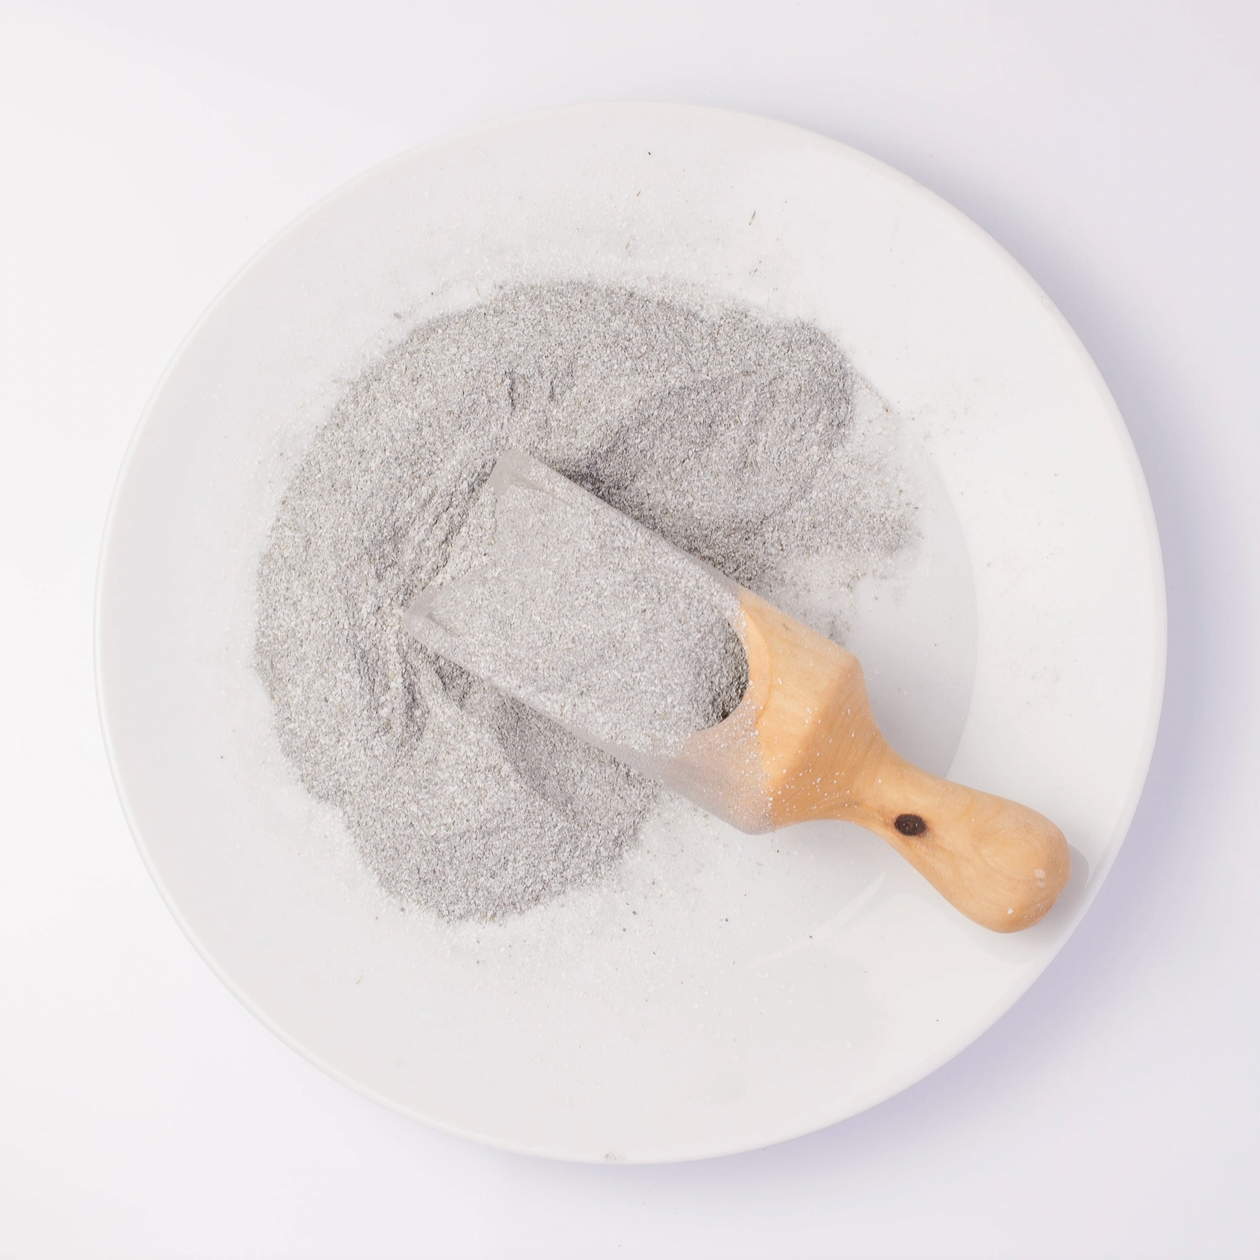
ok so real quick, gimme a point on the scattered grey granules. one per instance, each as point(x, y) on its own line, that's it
point(565, 603)
point(733, 436)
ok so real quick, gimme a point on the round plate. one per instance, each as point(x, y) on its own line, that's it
point(719, 992)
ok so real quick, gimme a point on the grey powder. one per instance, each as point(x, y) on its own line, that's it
point(734, 437)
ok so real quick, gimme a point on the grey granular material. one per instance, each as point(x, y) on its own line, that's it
point(731, 435)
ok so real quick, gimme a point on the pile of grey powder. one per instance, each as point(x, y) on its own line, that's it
point(733, 436)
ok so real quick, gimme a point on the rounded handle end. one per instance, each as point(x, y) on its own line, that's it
point(1002, 864)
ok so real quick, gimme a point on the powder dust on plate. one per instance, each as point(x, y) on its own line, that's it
point(733, 436)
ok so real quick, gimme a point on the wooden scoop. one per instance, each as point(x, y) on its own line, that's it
point(801, 744)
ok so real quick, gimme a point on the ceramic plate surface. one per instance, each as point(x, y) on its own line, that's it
point(720, 991)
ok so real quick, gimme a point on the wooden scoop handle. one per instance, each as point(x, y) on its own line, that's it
point(1000, 863)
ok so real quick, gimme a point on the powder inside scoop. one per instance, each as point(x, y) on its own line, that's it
point(585, 615)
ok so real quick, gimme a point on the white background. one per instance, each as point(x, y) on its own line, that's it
point(147, 150)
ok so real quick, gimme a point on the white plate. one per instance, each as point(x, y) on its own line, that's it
point(722, 992)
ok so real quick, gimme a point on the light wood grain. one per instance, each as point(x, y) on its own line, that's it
point(1000, 863)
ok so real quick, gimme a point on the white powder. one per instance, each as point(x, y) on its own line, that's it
point(732, 436)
